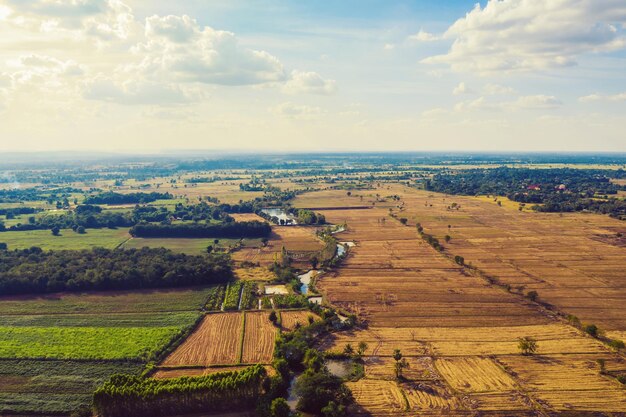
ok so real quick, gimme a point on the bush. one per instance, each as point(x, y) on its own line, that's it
point(591, 330)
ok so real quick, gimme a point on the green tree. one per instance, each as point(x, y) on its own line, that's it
point(361, 348)
point(527, 345)
point(400, 364)
point(273, 317)
point(280, 408)
point(314, 262)
point(532, 295)
point(55, 231)
point(348, 350)
point(592, 330)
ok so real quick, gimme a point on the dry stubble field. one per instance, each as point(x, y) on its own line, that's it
point(458, 333)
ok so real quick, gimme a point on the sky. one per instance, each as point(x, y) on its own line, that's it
point(310, 75)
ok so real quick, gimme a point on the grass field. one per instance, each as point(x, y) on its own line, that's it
point(68, 239)
point(138, 343)
point(53, 386)
point(188, 246)
point(90, 327)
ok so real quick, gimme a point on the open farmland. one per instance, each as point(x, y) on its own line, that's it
point(459, 331)
point(299, 240)
point(228, 339)
point(84, 342)
point(215, 341)
point(67, 240)
point(573, 260)
point(102, 333)
point(259, 337)
point(290, 319)
point(190, 246)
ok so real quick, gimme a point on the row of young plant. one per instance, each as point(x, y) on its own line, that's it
point(131, 395)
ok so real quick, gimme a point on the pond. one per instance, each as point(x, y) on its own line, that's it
point(305, 280)
point(280, 214)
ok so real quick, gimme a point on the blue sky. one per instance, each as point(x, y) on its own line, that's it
point(313, 75)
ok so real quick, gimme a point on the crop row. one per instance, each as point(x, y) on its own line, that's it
point(231, 302)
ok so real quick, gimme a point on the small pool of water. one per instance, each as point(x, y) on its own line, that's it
point(305, 280)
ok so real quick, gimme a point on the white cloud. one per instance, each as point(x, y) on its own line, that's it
point(389, 47)
point(531, 102)
point(137, 92)
point(423, 36)
point(497, 89)
point(296, 111)
point(309, 82)
point(514, 35)
point(601, 97)
point(104, 20)
point(177, 49)
point(177, 29)
point(462, 89)
point(537, 102)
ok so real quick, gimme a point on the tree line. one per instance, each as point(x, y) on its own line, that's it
point(237, 230)
point(111, 197)
point(130, 395)
point(35, 271)
point(551, 190)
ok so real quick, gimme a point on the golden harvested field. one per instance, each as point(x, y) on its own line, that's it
point(254, 274)
point(301, 240)
point(220, 339)
point(216, 341)
point(458, 332)
point(259, 338)
point(574, 261)
point(290, 318)
point(247, 217)
point(475, 374)
point(163, 373)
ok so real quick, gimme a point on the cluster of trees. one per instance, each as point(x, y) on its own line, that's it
point(35, 271)
point(558, 190)
point(11, 213)
point(319, 391)
point(130, 395)
point(304, 216)
point(83, 217)
point(111, 197)
point(238, 230)
point(19, 195)
point(430, 239)
point(89, 216)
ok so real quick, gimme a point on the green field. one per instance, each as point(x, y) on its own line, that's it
point(158, 319)
point(52, 386)
point(188, 246)
point(140, 343)
point(68, 239)
point(84, 338)
point(111, 302)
